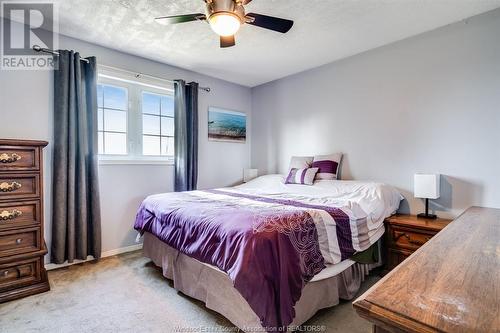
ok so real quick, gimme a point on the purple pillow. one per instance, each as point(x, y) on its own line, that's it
point(301, 176)
point(328, 166)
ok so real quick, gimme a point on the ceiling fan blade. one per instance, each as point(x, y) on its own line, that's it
point(227, 41)
point(269, 22)
point(245, 2)
point(180, 18)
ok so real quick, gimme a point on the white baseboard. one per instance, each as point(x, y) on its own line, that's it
point(121, 250)
point(105, 254)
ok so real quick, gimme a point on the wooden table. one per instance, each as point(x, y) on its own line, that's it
point(451, 284)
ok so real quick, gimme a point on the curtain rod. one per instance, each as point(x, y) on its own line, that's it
point(37, 48)
point(139, 75)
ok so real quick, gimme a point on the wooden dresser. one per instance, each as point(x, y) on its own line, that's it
point(22, 246)
point(406, 234)
point(451, 284)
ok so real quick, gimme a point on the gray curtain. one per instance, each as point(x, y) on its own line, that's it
point(76, 222)
point(186, 136)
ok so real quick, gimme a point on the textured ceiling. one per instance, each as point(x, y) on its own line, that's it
point(324, 31)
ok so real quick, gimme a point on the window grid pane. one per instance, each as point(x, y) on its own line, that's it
point(167, 126)
point(151, 125)
point(100, 142)
point(112, 143)
point(115, 97)
point(157, 124)
point(167, 146)
point(151, 145)
point(115, 121)
point(115, 143)
point(151, 103)
point(167, 106)
point(100, 96)
point(112, 120)
point(100, 119)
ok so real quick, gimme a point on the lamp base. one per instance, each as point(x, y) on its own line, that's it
point(427, 216)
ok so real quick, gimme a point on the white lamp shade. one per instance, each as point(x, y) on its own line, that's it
point(249, 174)
point(427, 186)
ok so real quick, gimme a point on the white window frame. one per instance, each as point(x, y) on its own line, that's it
point(135, 85)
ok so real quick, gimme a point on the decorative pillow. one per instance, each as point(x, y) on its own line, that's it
point(328, 166)
point(301, 176)
point(300, 162)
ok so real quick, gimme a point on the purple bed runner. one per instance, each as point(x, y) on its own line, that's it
point(341, 219)
point(269, 253)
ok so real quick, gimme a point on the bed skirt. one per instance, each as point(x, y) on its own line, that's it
point(213, 287)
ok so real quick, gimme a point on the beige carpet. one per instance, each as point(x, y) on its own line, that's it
point(127, 293)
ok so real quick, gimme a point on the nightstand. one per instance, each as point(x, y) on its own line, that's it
point(407, 233)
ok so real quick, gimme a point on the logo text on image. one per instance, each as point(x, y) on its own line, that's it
point(26, 24)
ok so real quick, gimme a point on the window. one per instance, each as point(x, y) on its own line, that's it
point(112, 114)
point(157, 124)
point(135, 117)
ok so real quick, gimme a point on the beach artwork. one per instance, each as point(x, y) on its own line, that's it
point(225, 125)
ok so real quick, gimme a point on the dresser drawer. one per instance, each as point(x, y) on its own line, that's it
point(19, 158)
point(19, 214)
point(20, 273)
point(19, 186)
point(19, 241)
point(406, 239)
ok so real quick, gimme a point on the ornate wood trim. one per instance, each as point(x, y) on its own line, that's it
point(10, 215)
point(10, 187)
point(9, 158)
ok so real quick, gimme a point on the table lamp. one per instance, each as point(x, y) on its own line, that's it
point(426, 186)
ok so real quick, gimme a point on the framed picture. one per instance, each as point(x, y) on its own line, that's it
point(226, 125)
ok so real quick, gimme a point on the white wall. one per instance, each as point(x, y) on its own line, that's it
point(26, 113)
point(426, 104)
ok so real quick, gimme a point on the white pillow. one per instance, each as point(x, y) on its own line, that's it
point(301, 176)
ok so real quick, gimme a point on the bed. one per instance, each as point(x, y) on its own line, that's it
point(266, 254)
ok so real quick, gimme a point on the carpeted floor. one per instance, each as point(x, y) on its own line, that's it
point(127, 293)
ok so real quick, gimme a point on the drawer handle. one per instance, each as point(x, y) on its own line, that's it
point(5, 273)
point(411, 241)
point(6, 187)
point(6, 215)
point(19, 241)
point(6, 158)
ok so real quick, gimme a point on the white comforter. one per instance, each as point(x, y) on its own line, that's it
point(366, 203)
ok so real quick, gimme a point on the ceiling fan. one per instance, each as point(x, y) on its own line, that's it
point(227, 16)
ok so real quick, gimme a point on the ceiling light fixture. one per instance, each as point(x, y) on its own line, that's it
point(224, 23)
point(226, 17)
